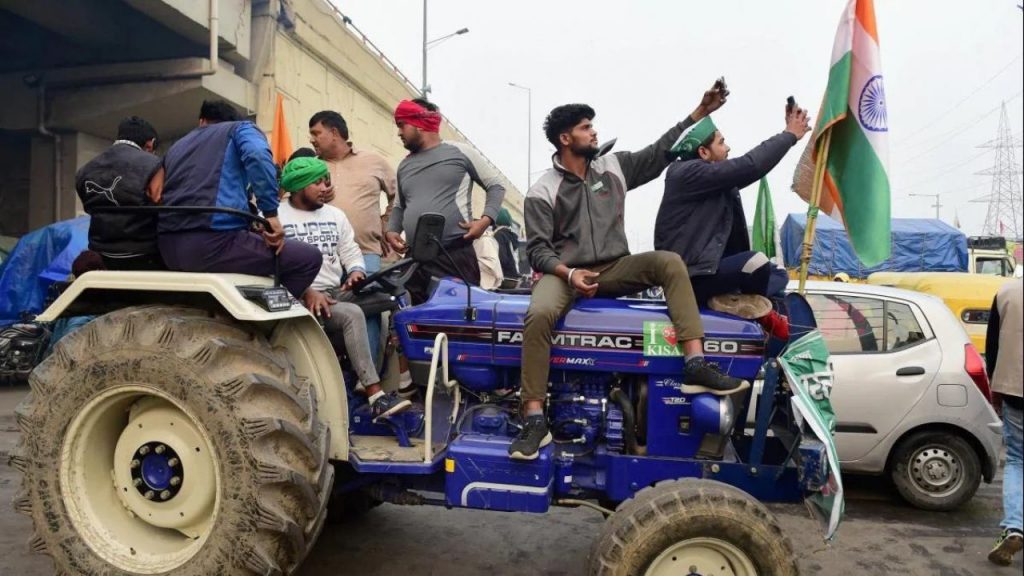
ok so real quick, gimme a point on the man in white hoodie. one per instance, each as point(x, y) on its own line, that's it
point(305, 217)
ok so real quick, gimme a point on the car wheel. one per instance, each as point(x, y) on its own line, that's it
point(935, 470)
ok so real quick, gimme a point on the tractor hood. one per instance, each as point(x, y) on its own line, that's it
point(601, 334)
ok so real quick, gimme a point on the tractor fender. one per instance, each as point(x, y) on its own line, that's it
point(295, 329)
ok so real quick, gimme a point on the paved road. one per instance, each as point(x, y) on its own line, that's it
point(881, 536)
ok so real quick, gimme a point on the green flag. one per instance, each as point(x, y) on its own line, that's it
point(809, 373)
point(764, 222)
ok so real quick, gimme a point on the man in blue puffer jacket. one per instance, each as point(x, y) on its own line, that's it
point(218, 164)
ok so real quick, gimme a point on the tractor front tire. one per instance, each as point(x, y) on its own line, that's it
point(167, 440)
point(692, 526)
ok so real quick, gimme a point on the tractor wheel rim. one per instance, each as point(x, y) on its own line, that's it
point(702, 557)
point(936, 471)
point(139, 479)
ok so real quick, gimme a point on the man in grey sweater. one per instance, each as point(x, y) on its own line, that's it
point(438, 176)
point(576, 237)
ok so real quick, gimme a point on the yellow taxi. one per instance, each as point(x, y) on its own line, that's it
point(969, 296)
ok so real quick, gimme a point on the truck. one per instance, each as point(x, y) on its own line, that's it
point(928, 256)
point(918, 245)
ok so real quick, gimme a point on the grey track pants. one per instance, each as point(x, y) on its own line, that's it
point(348, 320)
point(552, 297)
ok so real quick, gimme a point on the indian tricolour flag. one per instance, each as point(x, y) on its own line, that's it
point(856, 185)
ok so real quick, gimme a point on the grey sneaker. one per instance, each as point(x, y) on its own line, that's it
point(701, 376)
point(531, 439)
point(388, 405)
point(749, 306)
point(1010, 542)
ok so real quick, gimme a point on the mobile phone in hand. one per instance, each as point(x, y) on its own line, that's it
point(790, 105)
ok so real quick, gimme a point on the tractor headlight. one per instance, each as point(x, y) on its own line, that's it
point(726, 415)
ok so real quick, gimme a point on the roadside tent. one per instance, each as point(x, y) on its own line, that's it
point(39, 259)
point(918, 245)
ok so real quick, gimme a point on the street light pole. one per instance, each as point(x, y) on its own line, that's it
point(428, 44)
point(425, 88)
point(529, 132)
point(937, 204)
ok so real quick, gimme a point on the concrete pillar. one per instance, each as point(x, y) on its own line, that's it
point(14, 173)
point(46, 204)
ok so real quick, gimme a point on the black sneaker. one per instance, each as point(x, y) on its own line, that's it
point(702, 376)
point(1010, 542)
point(388, 405)
point(532, 438)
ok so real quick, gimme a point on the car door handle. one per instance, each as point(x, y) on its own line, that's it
point(910, 371)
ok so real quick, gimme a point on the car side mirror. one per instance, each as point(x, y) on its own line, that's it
point(426, 246)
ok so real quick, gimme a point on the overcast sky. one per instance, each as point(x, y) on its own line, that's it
point(643, 65)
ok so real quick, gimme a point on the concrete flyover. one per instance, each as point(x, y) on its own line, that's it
point(72, 70)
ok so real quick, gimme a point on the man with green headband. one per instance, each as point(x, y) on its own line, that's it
point(701, 218)
point(306, 218)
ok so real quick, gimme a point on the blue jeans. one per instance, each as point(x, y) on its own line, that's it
point(1012, 420)
point(372, 262)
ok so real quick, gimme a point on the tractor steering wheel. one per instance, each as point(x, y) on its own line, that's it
point(391, 279)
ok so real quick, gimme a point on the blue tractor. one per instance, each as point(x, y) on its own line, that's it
point(200, 425)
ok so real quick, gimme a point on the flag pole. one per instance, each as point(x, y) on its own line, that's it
point(812, 206)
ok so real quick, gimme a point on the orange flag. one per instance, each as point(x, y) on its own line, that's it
point(280, 141)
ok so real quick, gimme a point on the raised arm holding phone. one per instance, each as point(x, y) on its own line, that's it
point(701, 218)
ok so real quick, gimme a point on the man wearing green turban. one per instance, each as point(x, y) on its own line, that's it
point(302, 172)
point(306, 218)
point(701, 218)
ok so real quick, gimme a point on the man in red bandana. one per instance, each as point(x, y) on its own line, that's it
point(438, 176)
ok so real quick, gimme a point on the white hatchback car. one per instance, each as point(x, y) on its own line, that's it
point(910, 394)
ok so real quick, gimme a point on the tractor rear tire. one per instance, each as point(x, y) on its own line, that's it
point(227, 467)
point(692, 526)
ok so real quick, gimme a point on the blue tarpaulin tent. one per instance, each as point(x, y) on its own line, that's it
point(918, 245)
point(38, 260)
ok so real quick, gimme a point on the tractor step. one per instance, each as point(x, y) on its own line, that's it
point(383, 454)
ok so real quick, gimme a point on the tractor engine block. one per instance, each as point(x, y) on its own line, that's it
point(581, 414)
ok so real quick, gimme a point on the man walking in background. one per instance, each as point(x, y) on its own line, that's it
point(1004, 358)
point(359, 179)
point(438, 176)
